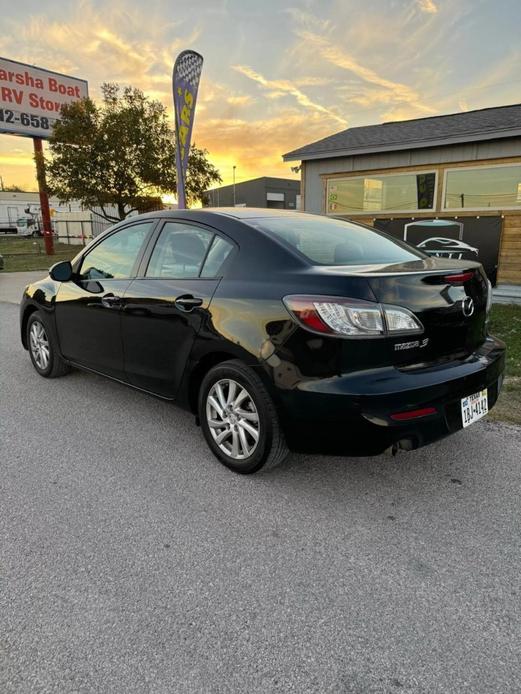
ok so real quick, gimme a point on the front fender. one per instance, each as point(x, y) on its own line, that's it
point(39, 296)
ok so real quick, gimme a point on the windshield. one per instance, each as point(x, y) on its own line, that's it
point(326, 241)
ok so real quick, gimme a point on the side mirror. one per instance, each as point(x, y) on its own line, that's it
point(61, 272)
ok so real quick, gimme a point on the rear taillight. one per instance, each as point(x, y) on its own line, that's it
point(333, 315)
point(460, 277)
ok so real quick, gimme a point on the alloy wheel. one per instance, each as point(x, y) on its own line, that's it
point(232, 418)
point(39, 344)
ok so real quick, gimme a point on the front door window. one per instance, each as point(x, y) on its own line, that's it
point(115, 257)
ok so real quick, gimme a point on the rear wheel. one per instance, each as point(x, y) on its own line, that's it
point(42, 349)
point(239, 420)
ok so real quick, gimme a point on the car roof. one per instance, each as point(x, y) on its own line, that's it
point(253, 212)
point(442, 238)
point(234, 212)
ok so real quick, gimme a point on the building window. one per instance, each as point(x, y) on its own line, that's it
point(483, 188)
point(407, 192)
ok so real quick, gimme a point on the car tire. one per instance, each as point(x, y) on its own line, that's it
point(42, 348)
point(233, 405)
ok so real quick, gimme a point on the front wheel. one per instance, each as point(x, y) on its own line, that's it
point(44, 356)
point(239, 420)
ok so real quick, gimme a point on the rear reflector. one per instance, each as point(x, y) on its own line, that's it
point(413, 414)
point(460, 277)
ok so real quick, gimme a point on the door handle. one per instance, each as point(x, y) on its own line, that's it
point(111, 301)
point(188, 302)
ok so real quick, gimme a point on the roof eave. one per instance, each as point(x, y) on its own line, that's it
point(299, 155)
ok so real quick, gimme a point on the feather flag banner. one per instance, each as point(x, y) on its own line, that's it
point(185, 83)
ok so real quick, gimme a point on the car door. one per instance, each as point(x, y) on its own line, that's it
point(165, 307)
point(88, 308)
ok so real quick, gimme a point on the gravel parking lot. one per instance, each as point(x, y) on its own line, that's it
point(131, 561)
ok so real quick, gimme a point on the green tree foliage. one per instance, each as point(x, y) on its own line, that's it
point(120, 153)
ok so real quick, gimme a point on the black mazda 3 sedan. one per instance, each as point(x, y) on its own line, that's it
point(278, 330)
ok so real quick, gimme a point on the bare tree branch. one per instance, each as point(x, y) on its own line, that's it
point(105, 215)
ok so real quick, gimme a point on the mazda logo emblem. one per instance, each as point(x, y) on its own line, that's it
point(467, 306)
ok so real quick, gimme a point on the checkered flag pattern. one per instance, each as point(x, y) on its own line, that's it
point(188, 68)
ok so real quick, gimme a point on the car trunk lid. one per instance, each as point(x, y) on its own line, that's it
point(449, 298)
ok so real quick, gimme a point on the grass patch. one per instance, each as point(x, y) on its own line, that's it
point(29, 253)
point(505, 323)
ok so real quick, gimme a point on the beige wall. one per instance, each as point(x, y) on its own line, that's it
point(510, 251)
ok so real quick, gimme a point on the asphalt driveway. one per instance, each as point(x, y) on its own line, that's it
point(131, 561)
point(12, 284)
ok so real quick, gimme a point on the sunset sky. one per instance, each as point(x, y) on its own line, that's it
point(277, 74)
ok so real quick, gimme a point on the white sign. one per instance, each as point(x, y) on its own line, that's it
point(31, 98)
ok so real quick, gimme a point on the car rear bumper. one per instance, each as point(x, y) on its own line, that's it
point(350, 414)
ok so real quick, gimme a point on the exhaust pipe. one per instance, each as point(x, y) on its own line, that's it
point(401, 445)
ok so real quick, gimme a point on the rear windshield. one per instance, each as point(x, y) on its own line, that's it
point(327, 241)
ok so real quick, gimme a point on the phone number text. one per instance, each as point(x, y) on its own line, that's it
point(28, 120)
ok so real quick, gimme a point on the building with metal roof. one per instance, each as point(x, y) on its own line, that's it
point(266, 191)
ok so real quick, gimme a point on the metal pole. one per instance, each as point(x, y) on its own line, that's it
point(44, 200)
point(234, 185)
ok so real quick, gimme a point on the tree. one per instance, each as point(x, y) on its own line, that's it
point(120, 153)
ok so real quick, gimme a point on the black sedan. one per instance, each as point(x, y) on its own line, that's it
point(278, 330)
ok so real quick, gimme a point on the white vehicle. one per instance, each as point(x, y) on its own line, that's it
point(8, 227)
point(442, 247)
point(28, 226)
point(19, 220)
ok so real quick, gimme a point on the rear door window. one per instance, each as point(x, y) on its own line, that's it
point(217, 256)
point(179, 252)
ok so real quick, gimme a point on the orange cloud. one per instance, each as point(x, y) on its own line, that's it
point(395, 91)
point(288, 87)
point(256, 146)
point(427, 6)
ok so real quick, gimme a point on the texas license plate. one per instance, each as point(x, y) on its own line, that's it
point(473, 407)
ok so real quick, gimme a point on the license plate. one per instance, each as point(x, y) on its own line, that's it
point(473, 407)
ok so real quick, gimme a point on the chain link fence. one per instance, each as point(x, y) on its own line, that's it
point(20, 252)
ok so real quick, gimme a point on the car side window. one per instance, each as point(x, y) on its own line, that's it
point(217, 256)
point(115, 256)
point(179, 252)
